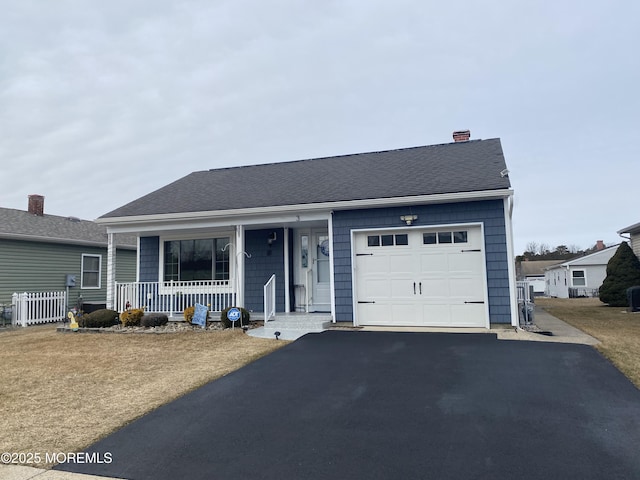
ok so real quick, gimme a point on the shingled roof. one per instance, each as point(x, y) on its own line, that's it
point(22, 225)
point(470, 166)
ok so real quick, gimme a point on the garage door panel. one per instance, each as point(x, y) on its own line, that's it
point(374, 265)
point(402, 263)
point(401, 288)
point(375, 313)
point(436, 315)
point(461, 262)
point(374, 288)
point(434, 263)
point(405, 314)
point(435, 288)
point(467, 288)
point(467, 315)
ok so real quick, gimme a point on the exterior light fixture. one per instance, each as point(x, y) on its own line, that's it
point(408, 219)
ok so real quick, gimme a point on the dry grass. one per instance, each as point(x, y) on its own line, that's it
point(62, 392)
point(618, 330)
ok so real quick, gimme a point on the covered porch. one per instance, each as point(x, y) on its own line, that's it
point(214, 263)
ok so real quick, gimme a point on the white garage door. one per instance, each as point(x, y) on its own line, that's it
point(425, 277)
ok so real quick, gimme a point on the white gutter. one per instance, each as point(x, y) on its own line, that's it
point(299, 209)
point(65, 241)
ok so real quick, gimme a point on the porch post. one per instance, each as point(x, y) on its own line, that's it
point(287, 299)
point(111, 269)
point(239, 253)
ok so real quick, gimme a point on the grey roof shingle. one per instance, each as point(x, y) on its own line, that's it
point(53, 228)
point(436, 169)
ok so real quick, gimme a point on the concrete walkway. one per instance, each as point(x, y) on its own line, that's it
point(561, 332)
point(20, 472)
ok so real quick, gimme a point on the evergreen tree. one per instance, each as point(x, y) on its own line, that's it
point(623, 271)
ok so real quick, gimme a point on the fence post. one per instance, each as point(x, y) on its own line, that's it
point(23, 309)
point(14, 309)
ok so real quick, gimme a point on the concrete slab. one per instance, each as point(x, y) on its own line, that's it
point(21, 472)
point(561, 332)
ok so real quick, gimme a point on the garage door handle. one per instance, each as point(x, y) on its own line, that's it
point(472, 250)
point(414, 288)
point(365, 301)
point(475, 302)
point(420, 288)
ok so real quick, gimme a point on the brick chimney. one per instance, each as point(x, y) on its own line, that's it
point(600, 245)
point(36, 205)
point(461, 135)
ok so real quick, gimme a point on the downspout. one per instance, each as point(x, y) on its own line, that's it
point(508, 213)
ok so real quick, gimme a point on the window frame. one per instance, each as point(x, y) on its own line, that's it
point(83, 270)
point(207, 236)
point(583, 278)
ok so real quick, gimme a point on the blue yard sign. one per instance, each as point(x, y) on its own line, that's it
point(200, 315)
point(234, 314)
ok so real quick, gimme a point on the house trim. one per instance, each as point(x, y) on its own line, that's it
point(99, 272)
point(511, 268)
point(236, 216)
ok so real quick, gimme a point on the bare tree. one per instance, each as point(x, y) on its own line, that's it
point(532, 247)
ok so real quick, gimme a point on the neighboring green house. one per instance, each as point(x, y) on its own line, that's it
point(38, 251)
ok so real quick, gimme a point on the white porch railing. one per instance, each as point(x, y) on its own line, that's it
point(31, 308)
point(173, 297)
point(270, 299)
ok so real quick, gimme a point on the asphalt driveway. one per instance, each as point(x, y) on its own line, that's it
point(388, 405)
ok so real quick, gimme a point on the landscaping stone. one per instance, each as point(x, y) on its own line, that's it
point(171, 327)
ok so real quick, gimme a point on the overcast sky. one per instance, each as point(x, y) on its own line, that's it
point(102, 102)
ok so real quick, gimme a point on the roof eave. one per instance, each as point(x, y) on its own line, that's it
point(62, 241)
point(630, 229)
point(309, 207)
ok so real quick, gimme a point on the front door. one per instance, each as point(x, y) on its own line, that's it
point(321, 289)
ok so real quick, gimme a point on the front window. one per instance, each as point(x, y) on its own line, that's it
point(91, 267)
point(201, 259)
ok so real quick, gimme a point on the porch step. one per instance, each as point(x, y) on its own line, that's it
point(292, 325)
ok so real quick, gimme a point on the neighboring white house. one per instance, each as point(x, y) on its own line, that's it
point(533, 272)
point(580, 277)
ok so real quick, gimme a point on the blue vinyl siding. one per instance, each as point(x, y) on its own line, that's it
point(489, 212)
point(264, 262)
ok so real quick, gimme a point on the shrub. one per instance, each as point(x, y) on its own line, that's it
point(131, 318)
point(623, 271)
point(154, 320)
point(244, 318)
point(188, 314)
point(102, 318)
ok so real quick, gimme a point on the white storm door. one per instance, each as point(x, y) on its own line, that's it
point(321, 286)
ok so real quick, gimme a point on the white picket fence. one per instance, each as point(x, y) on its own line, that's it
point(32, 308)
